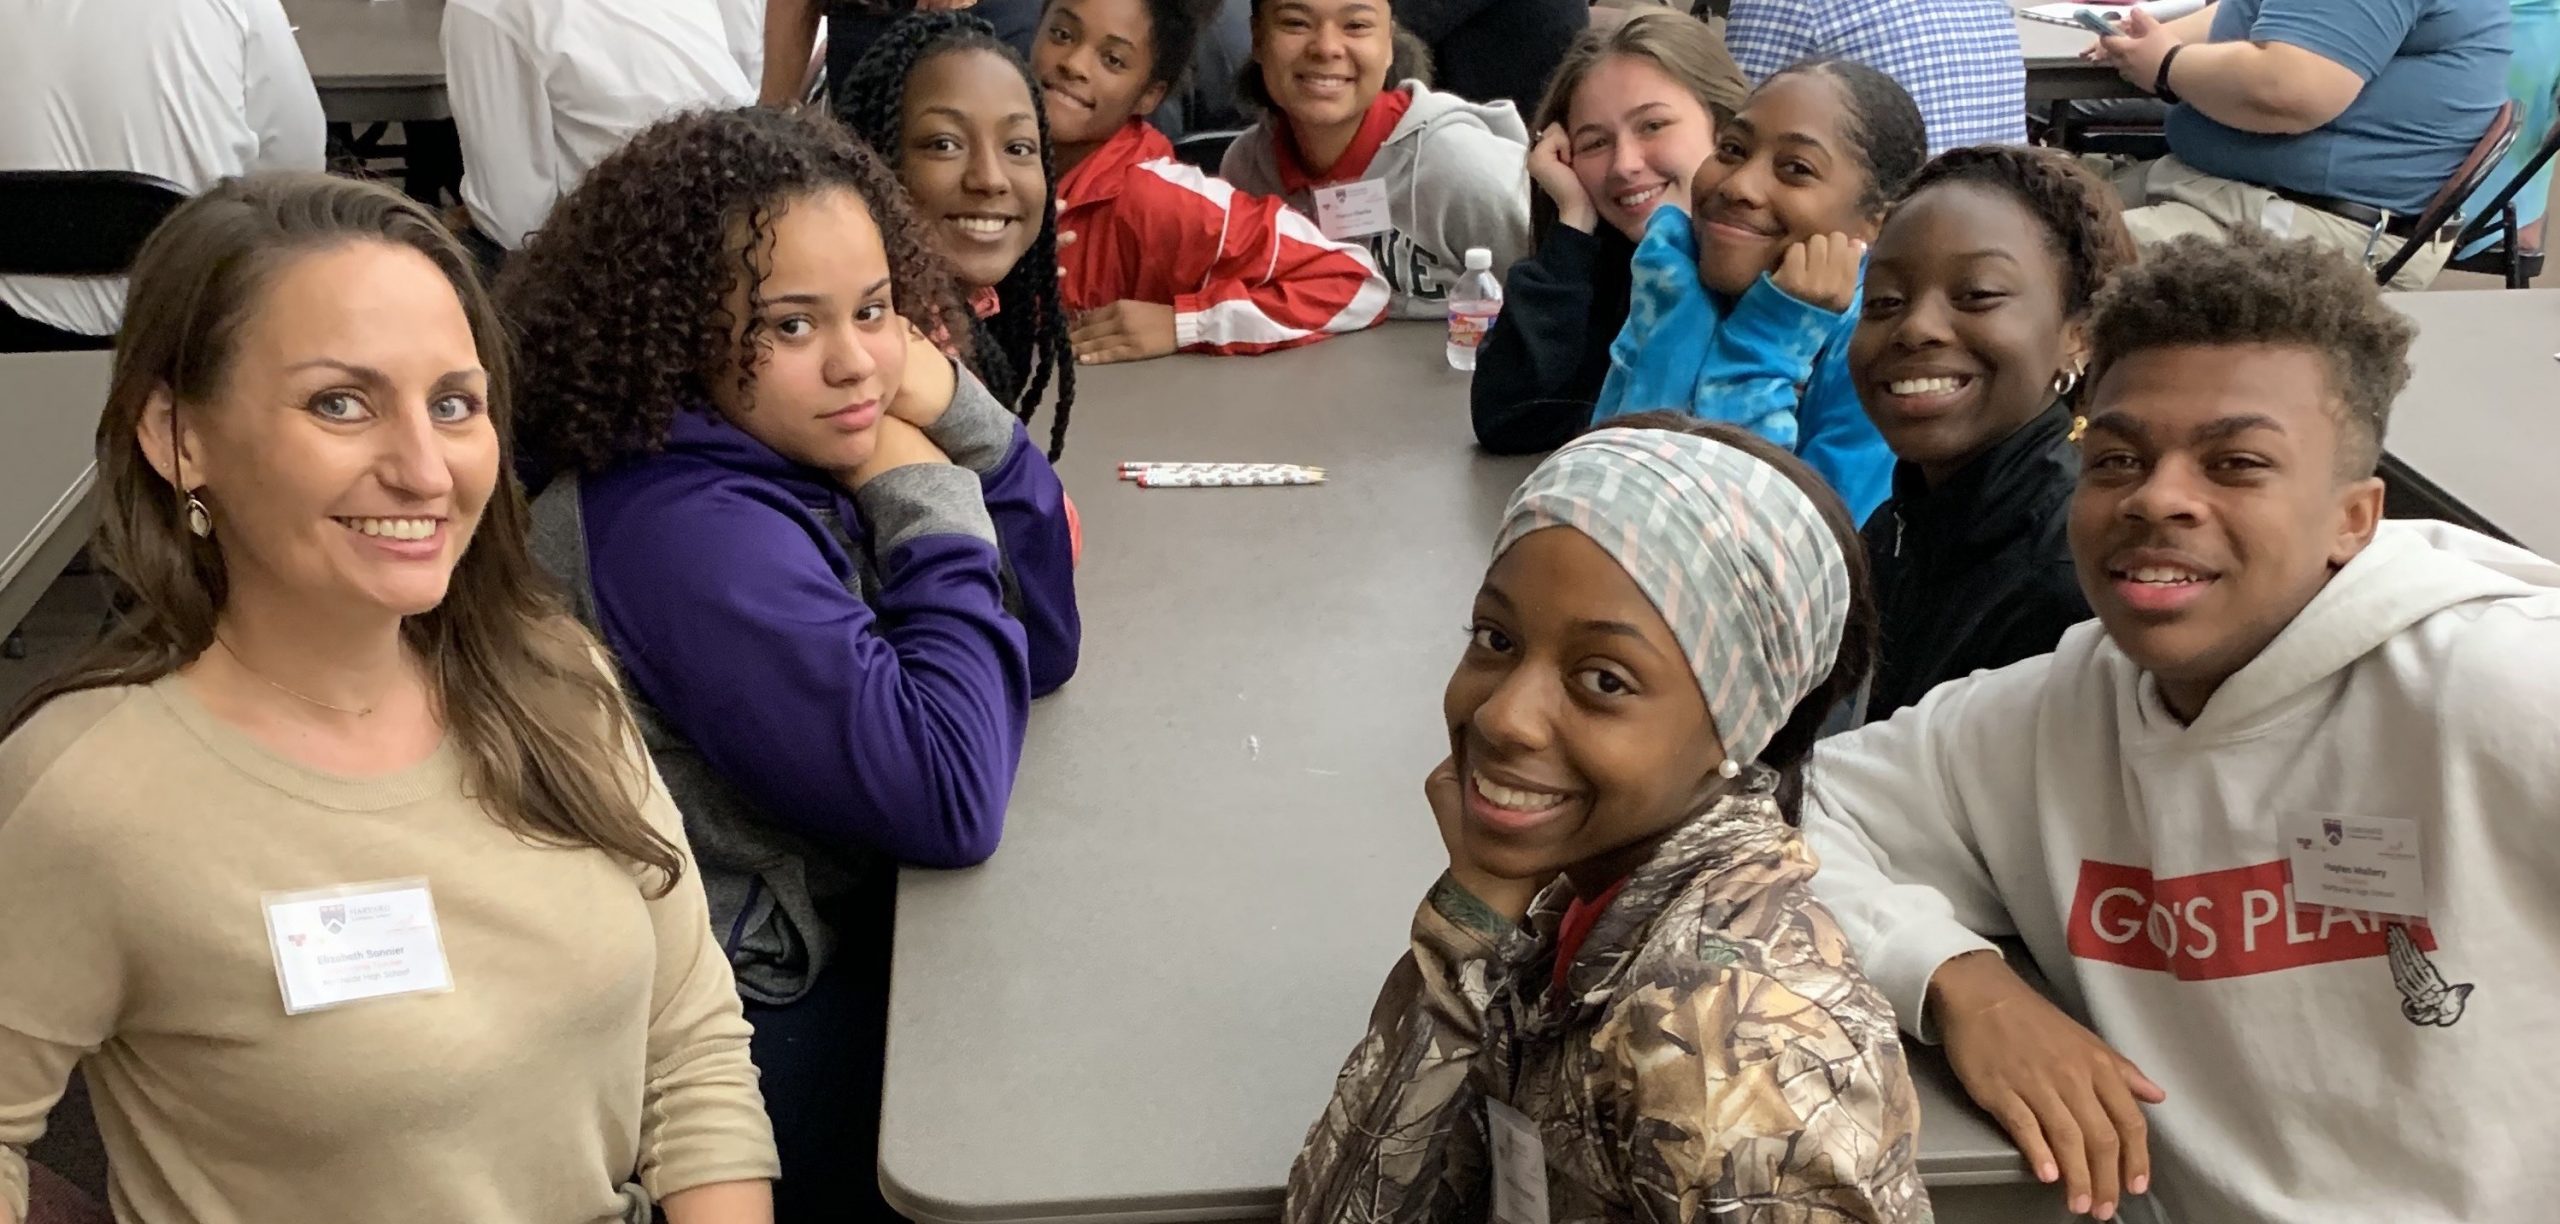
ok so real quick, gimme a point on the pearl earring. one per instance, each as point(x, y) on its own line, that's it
point(1729, 770)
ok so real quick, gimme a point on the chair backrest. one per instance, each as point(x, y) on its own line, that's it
point(2474, 170)
point(1205, 149)
point(79, 222)
point(2446, 207)
point(2492, 208)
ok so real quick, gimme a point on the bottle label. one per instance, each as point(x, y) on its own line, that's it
point(1469, 323)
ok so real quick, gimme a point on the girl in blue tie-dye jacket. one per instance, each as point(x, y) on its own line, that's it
point(1743, 301)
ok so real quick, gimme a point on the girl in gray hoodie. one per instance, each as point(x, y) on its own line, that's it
point(1417, 175)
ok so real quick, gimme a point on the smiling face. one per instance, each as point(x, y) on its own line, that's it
point(1635, 134)
point(971, 161)
point(349, 455)
point(832, 347)
point(1963, 329)
point(1096, 63)
point(1578, 731)
point(1784, 170)
point(1324, 61)
point(2210, 508)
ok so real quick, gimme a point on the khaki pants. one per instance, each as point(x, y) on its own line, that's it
point(2166, 198)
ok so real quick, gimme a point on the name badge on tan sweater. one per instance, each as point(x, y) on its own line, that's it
point(354, 942)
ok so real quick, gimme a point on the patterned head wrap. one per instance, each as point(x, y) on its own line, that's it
point(1732, 554)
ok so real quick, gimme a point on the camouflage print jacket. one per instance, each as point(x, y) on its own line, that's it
point(1717, 1057)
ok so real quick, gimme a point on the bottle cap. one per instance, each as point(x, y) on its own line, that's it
point(1479, 259)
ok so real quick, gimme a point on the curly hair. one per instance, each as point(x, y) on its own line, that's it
point(1885, 128)
point(1030, 330)
point(2252, 288)
point(1861, 633)
point(2083, 219)
point(620, 301)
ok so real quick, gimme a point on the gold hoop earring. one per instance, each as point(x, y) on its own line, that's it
point(199, 518)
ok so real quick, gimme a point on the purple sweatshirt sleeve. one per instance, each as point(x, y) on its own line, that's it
point(1029, 508)
point(896, 731)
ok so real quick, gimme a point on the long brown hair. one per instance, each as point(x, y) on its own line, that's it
point(547, 744)
point(1683, 47)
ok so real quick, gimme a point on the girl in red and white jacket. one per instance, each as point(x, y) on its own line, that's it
point(1156, 256)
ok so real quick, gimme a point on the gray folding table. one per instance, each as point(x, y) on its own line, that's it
point(373, 60)
point(49, 406)
point(1218, 836)
point(2475, 435)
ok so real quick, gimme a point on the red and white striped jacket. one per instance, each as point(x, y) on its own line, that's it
point(1243, 273)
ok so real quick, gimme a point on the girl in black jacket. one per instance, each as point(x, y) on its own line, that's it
point(1966, 358)
point(1631, 113)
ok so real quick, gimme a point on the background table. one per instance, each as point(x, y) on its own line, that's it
point(2055, 71)
point(49, 406)
point(373, 60)
point(1218, 837)
point(2475, 436)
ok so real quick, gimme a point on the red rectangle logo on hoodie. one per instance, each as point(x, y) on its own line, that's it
point(2217, 924)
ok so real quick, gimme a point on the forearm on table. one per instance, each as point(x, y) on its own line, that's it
point(737, 1202)
point(2272, 88)
point(790, 32)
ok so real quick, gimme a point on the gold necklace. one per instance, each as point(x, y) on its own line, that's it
point(244, 666)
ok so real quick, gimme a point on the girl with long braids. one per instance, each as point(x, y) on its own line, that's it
point(956, 113)
point(833, 568)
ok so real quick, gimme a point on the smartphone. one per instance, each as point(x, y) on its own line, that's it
point(2099, 24)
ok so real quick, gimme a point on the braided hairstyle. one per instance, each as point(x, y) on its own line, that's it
point(1030, 330)
point(620, 301)
point(1890, 138)
point(2083, 217)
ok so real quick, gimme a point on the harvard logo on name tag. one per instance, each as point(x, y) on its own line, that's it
point(1346, 211)
point(335, 946)
point(2366, 863)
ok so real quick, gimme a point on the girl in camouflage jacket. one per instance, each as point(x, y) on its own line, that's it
point(1623, 1002)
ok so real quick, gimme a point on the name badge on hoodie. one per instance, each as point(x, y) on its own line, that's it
point(354, 942)
point(1519, 1165)
point(2356, 863)
point(1346, 211)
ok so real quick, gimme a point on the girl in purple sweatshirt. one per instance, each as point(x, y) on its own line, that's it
point(833, 569)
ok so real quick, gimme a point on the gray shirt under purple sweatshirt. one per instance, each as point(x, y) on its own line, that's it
point(831, 683)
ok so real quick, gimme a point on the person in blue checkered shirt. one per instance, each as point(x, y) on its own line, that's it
point(1959, 59)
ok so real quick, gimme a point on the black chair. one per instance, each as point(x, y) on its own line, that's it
point(2445, 210)
point(2517, 256)
point(75, 223)
point(1205, 150)
point(79, 222)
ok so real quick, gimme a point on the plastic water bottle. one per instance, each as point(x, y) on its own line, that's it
point(1473, 304)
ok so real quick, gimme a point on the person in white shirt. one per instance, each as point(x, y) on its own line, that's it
point(2278, 826)
point(542, 90)
point(186, 90)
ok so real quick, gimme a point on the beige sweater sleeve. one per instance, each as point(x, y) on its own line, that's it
point(61, 951)
point(703, 1120)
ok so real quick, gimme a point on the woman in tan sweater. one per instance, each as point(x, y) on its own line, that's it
point(338, 868)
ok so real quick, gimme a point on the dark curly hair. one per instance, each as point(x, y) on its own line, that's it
point(1890, 138)
point(1861, 636)
point(2083, 218)
point(1030, 331)
point(619, 302)
point(2252, 288)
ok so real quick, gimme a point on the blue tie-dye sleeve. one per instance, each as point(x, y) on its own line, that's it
point(1757, 364)
point(1654, 362)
